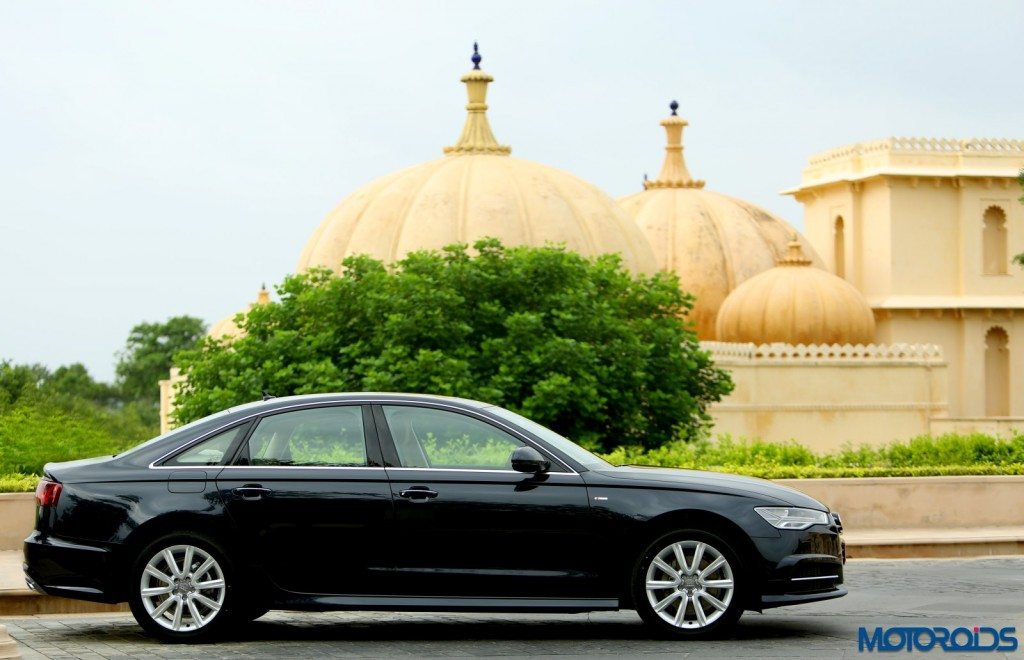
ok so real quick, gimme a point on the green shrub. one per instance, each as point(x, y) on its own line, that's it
point(949, 454)
point(18, 483)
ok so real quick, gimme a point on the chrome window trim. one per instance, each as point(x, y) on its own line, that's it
point(432, 469)
point(294, 467)
point(355, 402)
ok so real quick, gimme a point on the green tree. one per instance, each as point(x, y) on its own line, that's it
point(18, 380)
point(75, 381)
point(149, 353)
point(577, 344)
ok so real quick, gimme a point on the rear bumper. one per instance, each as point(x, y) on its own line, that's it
point(58, 567)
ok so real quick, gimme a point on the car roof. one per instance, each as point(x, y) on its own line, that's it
point(376, 397)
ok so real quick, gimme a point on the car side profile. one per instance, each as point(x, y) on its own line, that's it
point(415, 503)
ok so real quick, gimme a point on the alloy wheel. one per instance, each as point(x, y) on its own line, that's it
point(689, 584)
point(182, 588)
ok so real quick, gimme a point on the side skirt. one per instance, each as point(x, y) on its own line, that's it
point(440, 604)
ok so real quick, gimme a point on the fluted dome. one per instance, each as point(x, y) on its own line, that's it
point(712, 241)
point(476, 190)
point(796, 303)
point(226, 328)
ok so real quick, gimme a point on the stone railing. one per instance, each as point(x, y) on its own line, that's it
point(724, 351)
point(922, 145)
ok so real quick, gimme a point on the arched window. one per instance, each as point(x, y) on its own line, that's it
point(994, 241)
point(839, 247)
point(997, 373)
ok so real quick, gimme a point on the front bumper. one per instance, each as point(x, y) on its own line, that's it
point(802, 567)
point(58, 567)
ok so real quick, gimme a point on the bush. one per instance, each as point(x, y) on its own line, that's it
point(18, 483)
point(37, 430)
point(949, 454)
point(576, 344)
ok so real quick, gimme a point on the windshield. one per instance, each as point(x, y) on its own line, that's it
point(564, 445)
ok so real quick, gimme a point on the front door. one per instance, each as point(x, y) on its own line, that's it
point(467, 524)
point(311, 500)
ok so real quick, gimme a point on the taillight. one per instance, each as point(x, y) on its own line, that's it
point(48, 492)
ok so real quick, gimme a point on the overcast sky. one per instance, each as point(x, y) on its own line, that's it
point(163, 158)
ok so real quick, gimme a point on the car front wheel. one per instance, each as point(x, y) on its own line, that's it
point(688, 584)
point(180, 589)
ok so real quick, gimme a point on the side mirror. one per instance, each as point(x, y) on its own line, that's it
point(528, 459)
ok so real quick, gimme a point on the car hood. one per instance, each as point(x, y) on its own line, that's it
point(718, 482)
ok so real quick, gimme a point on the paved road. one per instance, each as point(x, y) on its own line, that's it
point(883, 593)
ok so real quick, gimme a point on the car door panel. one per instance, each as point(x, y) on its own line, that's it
point(498, 534)
point(311, 528)
point(485, 530)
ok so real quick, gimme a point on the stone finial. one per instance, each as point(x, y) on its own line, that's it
point(794, 254)
point(477, 136)
point(476, 57)
point(674, 173)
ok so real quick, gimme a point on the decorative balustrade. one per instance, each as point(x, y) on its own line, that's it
point(924, 146)
point(725, 351)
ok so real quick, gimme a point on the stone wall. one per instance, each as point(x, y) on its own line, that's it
point(825, 396)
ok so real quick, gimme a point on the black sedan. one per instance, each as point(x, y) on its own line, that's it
point(410, 502)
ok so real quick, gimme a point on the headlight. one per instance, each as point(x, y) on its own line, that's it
point(783, 517)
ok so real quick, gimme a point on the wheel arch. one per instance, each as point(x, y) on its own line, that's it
point(185, 523)
point(707, 521)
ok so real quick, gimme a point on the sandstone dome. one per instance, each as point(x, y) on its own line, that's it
point(474, 191)
point(226, 328)
point(796, 303)
point(713, 242)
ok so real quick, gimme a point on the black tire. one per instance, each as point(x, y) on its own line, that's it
point(691, 588)
point(213, 622)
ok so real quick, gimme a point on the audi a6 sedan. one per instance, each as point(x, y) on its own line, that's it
point(415, 503)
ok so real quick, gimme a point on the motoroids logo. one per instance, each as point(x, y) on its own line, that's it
point(913, 638)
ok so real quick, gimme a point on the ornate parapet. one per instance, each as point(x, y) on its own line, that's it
point(728, 353)
point(941, 158)
point(922, 145)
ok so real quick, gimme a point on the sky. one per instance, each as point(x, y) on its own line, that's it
point(166, 158)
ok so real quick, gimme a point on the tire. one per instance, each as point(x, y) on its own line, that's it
point(661, 590)
point(192, 602)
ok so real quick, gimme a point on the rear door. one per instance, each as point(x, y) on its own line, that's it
point(311, 500)
point(467, 524)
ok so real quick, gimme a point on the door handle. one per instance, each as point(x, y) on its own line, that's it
point(251, 492)
point(418, 493)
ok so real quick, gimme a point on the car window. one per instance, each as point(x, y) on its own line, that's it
point(327, 437)
point(210, 451)
point(575, 452)
point(431, 438)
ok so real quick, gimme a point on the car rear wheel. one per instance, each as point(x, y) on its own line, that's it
point(688, 584)
point(181, 588)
